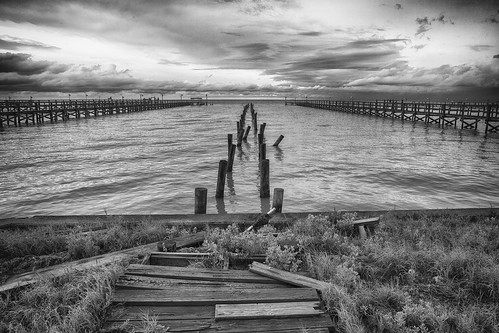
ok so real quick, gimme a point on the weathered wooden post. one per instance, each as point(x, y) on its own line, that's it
point(262, 128)
point(229, 143)
point(200, 200)
point(277, 200)
point(262, 152)
point(222, 172)
point(232, 153)
point(264, 178)
point(278, 141)
point(245, 137)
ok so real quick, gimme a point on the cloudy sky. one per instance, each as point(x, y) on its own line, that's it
point(366, 49)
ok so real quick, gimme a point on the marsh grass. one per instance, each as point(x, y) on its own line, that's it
point(27, 249)
point(74, 302)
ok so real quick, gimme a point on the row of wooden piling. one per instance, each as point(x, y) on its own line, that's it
point(226, 166)
point(449, 114)
point(37, 112)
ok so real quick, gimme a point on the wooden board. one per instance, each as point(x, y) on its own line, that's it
point(86, 263)
point(137, 313)
point(205, 274)
point(212, 295)
point(267, 310)
point(185, 259)
point(291, 325)
point(291, 278)
point(369, 221)
point(154, 283)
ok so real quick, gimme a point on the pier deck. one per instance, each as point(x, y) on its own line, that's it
point(451, 114)
point(37, 112)
point(209, 300)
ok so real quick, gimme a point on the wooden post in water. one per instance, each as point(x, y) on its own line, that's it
point(278, 141)
point(245, 137)
point(262, 151)
point(232, 153)
point(200, 200)
point(277, 200)
point(264, 179)
point(229, 143)
point(262, 128)
point(222, 172)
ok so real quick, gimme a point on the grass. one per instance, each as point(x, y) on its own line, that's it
point(418, 273)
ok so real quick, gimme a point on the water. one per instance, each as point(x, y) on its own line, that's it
point(150, 163)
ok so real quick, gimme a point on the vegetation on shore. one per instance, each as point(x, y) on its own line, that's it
point(419, 273)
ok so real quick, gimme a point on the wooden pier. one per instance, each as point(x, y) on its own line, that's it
point(451, 114)
point(37, 112)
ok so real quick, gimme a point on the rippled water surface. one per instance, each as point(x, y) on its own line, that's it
point(150, 163)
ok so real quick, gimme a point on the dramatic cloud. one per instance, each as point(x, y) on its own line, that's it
point(276, 47)
point(14, 43)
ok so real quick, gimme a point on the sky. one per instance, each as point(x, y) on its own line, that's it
point(335, 49)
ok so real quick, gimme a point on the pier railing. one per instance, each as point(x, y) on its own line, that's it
point(37, 112)
point(454, 114)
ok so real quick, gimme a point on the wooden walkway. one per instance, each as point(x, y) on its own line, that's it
point(463, 115)
point(36, 112)
point(184, 299)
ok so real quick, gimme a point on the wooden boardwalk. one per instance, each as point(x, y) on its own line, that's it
point(184, 299)
point(462, 115)
point(36, 112)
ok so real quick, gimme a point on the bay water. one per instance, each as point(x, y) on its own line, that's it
point(151, 162)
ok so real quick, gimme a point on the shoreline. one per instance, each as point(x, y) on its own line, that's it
point(197, 220)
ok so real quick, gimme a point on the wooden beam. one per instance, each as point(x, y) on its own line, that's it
point(212, 295)
point(287, 277)
point(318, 324)
point(204, 274)
point(368, 221)
point(267, 310)
point(155, 283)
point(86, 263)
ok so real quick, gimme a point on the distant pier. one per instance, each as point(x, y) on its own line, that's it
point(452, 114)
point(37, 112)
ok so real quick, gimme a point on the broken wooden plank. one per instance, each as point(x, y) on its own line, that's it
point(86, 263)
point(366, 222)
point(154, 283)
point(177, 258)
point(136, 313)
point(212, 295)
point(267, 310)
point(205, 274)
point(288, 277)
point(318, 324)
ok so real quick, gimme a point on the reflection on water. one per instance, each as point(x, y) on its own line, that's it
point(150, 162)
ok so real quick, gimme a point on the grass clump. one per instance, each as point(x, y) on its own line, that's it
point(74, 302)
point(417, 274)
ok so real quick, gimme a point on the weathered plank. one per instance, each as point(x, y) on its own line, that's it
point(100, 260)
point(185, 259)
point(205, 274)
point(366, 222)
point(212, 295)
point(267, 310)
point(292, 325)
point(154, 283)
point(291, 278)
point(136, 313)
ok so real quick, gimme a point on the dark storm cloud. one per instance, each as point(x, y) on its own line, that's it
point(398, 6)
point(480, 47)
point(14, 43)
point(22, 64)
point(310, 33)
point(425, 23)
point(496, 56)
point(232, 33)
